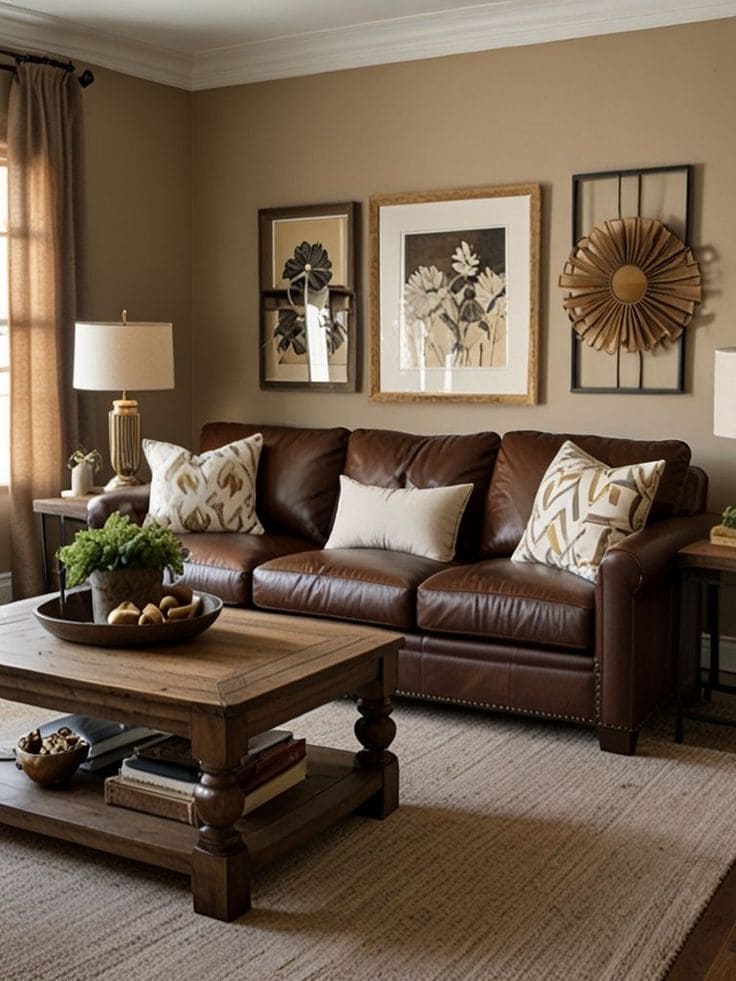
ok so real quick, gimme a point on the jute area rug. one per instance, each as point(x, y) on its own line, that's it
point(520, 851)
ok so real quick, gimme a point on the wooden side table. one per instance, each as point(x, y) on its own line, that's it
point(63, 509)
point(711, 566)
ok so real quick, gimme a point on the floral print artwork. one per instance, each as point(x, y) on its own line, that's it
point(308, 272)
point(454, 300)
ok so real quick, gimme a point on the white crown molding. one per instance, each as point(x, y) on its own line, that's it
point(479, 28)
point(32, 31)
point(498, 24)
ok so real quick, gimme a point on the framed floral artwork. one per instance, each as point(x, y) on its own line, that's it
point(454, 295)
point(309, 312)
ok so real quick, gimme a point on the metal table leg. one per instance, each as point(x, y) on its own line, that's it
point(44, 556)
point(714, 668)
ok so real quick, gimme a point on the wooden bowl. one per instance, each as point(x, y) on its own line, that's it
point(72, 621)
point(50, 769)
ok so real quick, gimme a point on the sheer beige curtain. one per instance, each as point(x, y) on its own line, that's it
point(45, 163)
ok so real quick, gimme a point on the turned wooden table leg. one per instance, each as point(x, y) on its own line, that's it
point(376, 731)
point(220, 861)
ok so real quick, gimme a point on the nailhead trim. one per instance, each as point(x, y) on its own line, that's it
point(597, 685)
point(510, 710)
point(499, 708)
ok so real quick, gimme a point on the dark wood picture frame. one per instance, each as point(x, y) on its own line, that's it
point(318, 246)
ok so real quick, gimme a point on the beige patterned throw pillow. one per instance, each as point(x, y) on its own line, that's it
point(215, 491)
point(582, 507)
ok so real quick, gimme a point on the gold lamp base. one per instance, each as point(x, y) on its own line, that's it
point(118, 481)
point(124, 424)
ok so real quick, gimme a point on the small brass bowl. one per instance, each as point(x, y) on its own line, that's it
point(51, 769)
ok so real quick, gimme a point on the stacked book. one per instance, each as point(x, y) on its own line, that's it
point(108, 741)
point(160, 779)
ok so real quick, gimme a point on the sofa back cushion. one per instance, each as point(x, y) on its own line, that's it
point(384, 458)
point(525, 456)
point(695, 496)
point(298, 474)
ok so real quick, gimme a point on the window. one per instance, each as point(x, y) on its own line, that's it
point(4, 338)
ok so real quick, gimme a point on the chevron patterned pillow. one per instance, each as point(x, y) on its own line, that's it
point(583, 507)
point(215, 491)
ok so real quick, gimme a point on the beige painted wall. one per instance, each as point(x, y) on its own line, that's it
point(139, 185)
point(538, 113)
point(138, 159)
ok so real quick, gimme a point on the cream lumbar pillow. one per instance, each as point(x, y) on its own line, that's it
point(423, 521)
point(583, 507)
point(215, 491)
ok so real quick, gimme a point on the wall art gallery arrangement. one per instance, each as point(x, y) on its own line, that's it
point(454, 290)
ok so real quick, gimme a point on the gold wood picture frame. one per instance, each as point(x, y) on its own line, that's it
point(454, 295)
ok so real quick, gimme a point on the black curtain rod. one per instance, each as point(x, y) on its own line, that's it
point(85, 79)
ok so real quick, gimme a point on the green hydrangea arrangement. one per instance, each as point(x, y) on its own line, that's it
point(121, 544)
point(729, 517)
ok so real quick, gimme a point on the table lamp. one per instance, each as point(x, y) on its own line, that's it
point(123, 356)
point(724, 392)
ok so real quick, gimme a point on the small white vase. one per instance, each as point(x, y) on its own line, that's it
point(81, 479)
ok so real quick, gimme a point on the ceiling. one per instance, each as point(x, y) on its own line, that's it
point(198, 44)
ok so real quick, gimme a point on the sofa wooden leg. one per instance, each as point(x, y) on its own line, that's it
point(622, 741)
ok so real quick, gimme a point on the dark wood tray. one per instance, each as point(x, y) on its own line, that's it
point(72, 621)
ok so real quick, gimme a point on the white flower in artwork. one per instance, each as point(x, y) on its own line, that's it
point(490, 290)
point(424, 291)
point(464, 261)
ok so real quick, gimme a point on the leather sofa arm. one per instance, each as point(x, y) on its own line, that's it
point(651, 552)
point(637, 596)
point(132, 501)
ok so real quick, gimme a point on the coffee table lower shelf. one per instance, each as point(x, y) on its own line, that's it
point(334, 787)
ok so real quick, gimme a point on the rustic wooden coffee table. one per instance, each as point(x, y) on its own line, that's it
point(249, 672)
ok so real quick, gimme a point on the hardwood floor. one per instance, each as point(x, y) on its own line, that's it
point(709, 953)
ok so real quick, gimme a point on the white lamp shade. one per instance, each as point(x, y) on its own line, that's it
point(724, 393)
point(131, 356)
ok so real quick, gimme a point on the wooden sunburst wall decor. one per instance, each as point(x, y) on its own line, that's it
point(631, 285)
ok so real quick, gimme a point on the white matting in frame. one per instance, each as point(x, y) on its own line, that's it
point(454, 295)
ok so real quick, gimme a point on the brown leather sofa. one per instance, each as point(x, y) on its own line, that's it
point(481, 631)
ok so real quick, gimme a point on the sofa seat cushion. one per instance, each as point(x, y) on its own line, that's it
point(222, 562)
point(508, 601)
point(363, 584)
